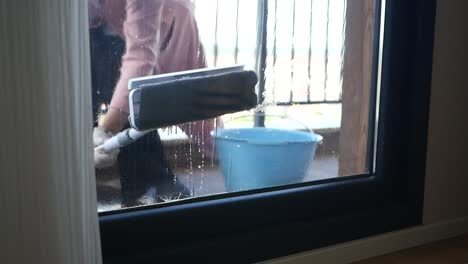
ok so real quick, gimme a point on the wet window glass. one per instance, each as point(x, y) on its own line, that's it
point(286, 95)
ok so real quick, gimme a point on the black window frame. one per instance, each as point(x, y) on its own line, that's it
point(264, 224)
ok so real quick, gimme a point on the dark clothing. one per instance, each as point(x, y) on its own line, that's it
point(142, 165)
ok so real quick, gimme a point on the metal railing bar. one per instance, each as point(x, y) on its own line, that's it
point(261, 57)
point(343, 35)
point(309, 61)
point(293, 37)
point(236, 49)
point(307, 103)
point(326, 52)
point(274, 49)
point(215, 47)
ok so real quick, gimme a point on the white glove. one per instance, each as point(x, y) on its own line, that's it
point(102, 159)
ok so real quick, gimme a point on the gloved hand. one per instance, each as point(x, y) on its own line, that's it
point(192, 99)
point(103, 160)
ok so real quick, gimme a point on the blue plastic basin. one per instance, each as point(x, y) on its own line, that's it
point(253, 158)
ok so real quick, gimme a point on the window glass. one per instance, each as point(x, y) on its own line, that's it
point(314, 63)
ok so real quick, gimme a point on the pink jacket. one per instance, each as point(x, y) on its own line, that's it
point(161, 36)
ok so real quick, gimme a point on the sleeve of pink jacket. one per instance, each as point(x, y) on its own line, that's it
point(143, 56)
point(142, 39)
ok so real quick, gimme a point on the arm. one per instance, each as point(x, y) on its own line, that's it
point(142, 38)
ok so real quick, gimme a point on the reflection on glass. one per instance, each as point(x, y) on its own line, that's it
point(307, 78)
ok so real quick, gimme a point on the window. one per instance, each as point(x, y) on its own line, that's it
point(355, 72)
point(305, 62)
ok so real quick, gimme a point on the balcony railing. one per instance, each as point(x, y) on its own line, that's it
point(296, 46)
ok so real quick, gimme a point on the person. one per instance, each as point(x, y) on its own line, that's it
point(129, 39)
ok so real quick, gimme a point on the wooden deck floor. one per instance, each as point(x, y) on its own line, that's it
point(449, 251)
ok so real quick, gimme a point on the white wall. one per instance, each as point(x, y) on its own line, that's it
point(446, 194)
